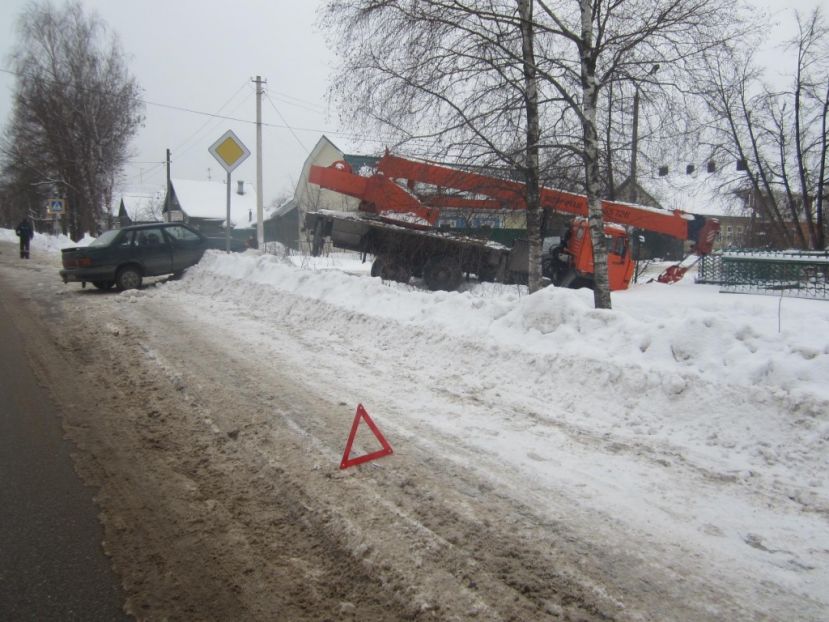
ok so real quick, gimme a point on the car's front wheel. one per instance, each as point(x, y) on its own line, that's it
point(128, 278)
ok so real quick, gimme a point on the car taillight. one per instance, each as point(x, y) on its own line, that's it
point(82, 262)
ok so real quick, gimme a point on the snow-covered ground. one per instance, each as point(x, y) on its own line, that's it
point(694, 418)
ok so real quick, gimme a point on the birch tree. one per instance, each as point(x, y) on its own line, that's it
point(448, 81)
point(459, 78)
point(777, 132)
point(76, 107)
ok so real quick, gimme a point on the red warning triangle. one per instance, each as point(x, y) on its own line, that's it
point(362, 414)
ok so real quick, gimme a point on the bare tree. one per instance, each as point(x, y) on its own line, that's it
point(591, 44)
point(449, 81)
point(778, 135)
point(76, 109)
point(461, 79)
point(811, 101)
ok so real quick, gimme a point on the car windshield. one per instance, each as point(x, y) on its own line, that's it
point(105, 239)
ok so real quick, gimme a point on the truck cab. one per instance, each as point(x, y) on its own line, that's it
point(570, 264)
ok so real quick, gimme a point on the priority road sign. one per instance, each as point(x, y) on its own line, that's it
point(229, 151)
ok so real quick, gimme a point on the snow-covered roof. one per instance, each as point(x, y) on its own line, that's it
point(208, 199)
point(286, 207)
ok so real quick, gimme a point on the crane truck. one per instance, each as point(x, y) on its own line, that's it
point(401, 202)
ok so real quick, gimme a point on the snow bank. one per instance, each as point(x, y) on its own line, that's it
point(44, 242)
point(683, 330)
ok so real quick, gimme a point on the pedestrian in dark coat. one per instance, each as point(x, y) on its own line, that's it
point(25, 232)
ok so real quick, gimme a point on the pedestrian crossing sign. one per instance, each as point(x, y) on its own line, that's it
point(55, 206)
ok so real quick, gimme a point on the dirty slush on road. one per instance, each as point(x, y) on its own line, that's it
point(228, 504)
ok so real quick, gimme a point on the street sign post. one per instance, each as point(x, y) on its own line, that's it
point(55, 207)
point(230, 152)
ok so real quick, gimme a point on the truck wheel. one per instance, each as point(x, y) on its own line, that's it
point(390, 269)
point(570, 279)
point(317, 241)
point(128, 278)
point(396, 271)
point(487, 273)
point(104, 285)
point(377, 267)
point(442, 273)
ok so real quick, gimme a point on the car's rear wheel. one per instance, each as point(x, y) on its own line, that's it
point(128, 278)
point(103, 284)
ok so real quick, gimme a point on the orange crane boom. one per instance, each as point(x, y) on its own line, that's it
point(510, 195)
point(395, 194)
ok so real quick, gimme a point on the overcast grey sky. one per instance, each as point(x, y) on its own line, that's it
point(201, 55)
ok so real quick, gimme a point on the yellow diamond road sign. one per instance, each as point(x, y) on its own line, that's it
point(229, 151)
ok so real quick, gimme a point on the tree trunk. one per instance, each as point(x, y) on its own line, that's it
point(590, 96)
point(532, 192)
point(821, 179)
point(801, 164)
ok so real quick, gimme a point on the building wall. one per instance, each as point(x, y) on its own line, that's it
point(310, 197)
point(284, 229)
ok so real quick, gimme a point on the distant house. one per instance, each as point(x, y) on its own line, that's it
point(714, 195)
point(203, 205)
point(310, 197)
point(137, 207)
point(283, 225)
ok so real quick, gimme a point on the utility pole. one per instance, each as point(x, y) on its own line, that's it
point(260, 225)
point(634, 187)
point(169, 185)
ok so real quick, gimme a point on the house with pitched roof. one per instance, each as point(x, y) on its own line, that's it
point(203, 205)
point(137, 206)
point(309, 197)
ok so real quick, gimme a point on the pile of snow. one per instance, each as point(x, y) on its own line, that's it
point(685, 330)
point(45, 242)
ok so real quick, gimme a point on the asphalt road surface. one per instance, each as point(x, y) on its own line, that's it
point(52, 564)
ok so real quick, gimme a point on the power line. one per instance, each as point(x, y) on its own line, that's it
point(181, 145)
point(217, 115)
point(296, 138)
point(236, 119)
point(296, 101)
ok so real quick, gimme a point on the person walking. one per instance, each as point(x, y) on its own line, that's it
point(25, 232)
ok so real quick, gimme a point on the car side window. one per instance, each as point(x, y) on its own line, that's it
point(149, 237)
point(126, 239)
point(182, 233)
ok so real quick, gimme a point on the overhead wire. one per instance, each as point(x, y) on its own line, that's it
point(296, 101)
point(185, 145)
point(180, 148)
point(206, 123)
point(290, 129)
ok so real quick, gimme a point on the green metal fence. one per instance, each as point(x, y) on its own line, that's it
point(799, 274)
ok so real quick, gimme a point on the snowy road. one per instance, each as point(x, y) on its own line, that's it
point(528, 482)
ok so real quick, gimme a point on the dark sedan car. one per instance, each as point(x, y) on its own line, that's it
point(123, 257)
